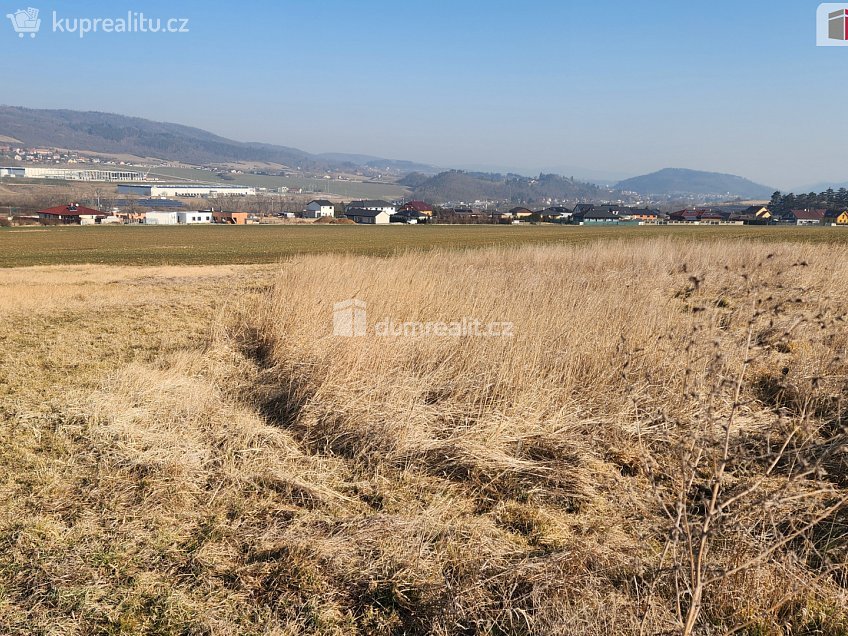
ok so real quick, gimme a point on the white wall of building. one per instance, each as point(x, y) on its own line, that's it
point(315, 210)
point(380, 218)
point(160, 218)
point(70, 174)
point(184, 190)
point(193, 218)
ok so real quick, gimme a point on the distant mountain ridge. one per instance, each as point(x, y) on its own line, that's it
point(117, 134)
point(821, 186)
point(459, 185)
point(671, 181)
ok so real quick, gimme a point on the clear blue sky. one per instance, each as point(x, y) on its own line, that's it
point(611, 87)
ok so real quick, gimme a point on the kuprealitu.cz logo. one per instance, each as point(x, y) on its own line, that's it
point(28, 22)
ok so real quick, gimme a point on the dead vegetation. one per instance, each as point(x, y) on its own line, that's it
point(659, 448)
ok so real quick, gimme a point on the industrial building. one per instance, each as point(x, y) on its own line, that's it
point(184, 190)
point(69, 174)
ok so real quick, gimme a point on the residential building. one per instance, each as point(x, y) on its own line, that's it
point(520, 213)
point(71, 213)
point(582, 208)
point(643, 215)
point(194, 217)
point(603, 214)
point(417, 206)
point(556, 214)
point(713, 217)
point(462, 214)
point(760, 212)
point(836, 217)
point(685, 216)
point(409, 216)
point(373, 205)
point(806, 217)
point(319, 208)
point(369, 217)
point(229, 218)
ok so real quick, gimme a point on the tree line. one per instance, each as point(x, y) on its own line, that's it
point(829, 199)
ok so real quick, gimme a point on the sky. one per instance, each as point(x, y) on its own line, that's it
point(588, 88)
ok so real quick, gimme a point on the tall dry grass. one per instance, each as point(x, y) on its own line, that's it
point(659, 448)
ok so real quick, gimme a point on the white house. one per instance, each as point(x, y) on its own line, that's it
point(193, 218)
point(373, 206)
point(368, 217)
point(319, 208)
point(160, 218)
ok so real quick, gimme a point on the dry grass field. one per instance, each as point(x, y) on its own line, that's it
point(229, 245)
point(659, 447)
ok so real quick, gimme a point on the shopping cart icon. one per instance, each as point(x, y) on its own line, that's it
point(25, 21)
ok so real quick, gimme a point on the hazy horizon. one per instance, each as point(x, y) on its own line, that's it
point(610, 90)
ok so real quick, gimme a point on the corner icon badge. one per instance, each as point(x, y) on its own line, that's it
point(832, 24)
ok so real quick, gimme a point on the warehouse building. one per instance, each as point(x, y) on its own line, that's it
point(69, 174)
point(184, 190)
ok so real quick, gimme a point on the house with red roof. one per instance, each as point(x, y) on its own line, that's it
point(417, 206)
point(685, 216)
point(806, 217)
point(71, 213)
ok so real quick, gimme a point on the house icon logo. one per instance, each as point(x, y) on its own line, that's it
point(25, 21)
point(832, 24)
point(349, 318)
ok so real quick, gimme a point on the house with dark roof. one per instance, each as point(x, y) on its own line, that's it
point(602, 214)
point(72, 213)
point(806, 217)
point(368, 217)
point(713, 217)
point(462, 214)
point(581, 208)
point(641, 215)
point(319, 208)
point(417, 206)
point(556, 214)
point(753, 215)
point(836, 217)
point(373, 205)
point(685, 216)
point(412, 217)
